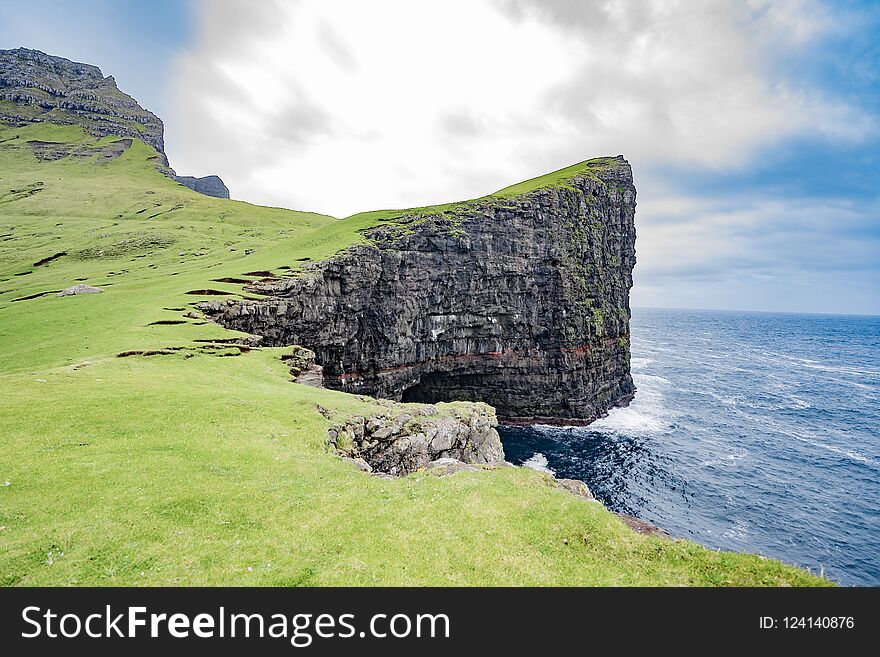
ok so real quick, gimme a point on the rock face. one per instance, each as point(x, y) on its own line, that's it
point(207, 185)
point(36, 87)
point(521, 302)
point(303, 369)
point(406, 439)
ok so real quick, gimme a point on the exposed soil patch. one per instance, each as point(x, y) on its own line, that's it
point(47, 260)
point(38, 294)
point(230, 280)
point(210, 293)
point(178, 310)
point(262, 274)
point(18, 194)
point(24, 273)
point(642, 526)
point(48, 151)
point(164, 322)
point(159, 214)
point(209, 348)
point(122, 245)
point(218, 350)
point(247, 341)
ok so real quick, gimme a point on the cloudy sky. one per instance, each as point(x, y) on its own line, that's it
point(753, 127)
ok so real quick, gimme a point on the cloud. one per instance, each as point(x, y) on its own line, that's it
point(356, 106)
point(759, 252)
point(346, 106)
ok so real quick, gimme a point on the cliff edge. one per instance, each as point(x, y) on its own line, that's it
point(519, 300)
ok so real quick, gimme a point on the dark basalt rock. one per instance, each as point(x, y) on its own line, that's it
point(36, 87)
point(522, 303)
point(207, 185)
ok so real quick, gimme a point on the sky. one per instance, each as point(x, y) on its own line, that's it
point(753, 127)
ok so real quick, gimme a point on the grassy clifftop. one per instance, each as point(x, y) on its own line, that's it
point(205, 465)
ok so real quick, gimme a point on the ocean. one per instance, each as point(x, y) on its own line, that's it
point(753, 432)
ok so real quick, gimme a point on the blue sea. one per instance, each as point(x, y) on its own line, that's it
point(754, 432)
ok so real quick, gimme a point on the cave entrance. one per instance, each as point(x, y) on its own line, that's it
point(434, 387)
point(418, 393)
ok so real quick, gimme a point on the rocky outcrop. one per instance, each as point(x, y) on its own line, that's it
point(407, 438)
point(303, 368)
point(36, 87)
point(81, 288)
point(519, 302)
point(575, 487)
point(207, 185)
point(640, 526)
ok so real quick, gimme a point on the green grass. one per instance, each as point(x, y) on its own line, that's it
point(556, 179)
point(559, 178)
point(192, 468)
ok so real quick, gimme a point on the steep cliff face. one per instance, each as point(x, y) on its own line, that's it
point(38, 87)
point(520, 302)
point(207, 185)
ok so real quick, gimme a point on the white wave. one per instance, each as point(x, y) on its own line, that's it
point(842, 451)
point(738, 531)
point(538, 462)
point(640, 363)
point(729, 401)
point(843, 368)
point(796, 403)
point(647, 414)
point(649, 380)
point(730, 460)
point(810, 438)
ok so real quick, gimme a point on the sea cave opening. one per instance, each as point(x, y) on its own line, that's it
point(436, 387)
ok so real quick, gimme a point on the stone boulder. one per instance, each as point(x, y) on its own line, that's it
point(576, 487)
point(406, 438)
point(79, 289)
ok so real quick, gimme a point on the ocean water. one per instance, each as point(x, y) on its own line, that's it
point(755, 432)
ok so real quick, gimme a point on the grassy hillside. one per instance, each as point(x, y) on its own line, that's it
point(207, 466)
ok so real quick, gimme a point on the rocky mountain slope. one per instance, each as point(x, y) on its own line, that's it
point(36, 87)
point(520, 301)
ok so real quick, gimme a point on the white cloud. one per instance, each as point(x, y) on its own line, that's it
point(344, 106)
point(758, 252)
